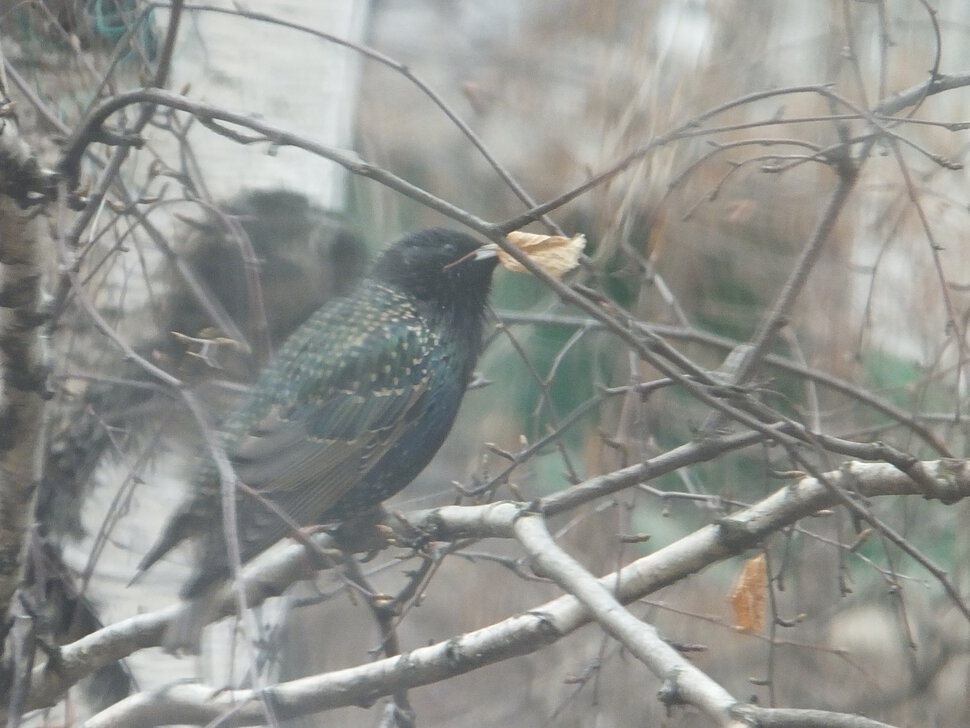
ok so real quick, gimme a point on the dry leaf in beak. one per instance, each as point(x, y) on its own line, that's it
point(555, 254)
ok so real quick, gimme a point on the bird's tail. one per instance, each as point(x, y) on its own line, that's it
point(178, 529)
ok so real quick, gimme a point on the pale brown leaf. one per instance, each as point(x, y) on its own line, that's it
point(555, 254)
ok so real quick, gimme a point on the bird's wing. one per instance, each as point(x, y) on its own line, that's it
point(283, 453)
point(332, 423)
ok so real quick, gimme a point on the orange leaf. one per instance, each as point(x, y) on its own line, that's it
point(749, 595)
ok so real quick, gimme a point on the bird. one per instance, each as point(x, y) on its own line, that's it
point(355, 404)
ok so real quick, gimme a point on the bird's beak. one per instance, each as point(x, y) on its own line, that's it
point(485, 252)
point(490, 250)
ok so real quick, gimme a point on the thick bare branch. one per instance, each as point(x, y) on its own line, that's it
point(24, 380)
point(512, 637)
point(683, 683)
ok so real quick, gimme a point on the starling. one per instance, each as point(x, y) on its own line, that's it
point(355, 405)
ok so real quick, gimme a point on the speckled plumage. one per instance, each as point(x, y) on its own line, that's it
point(354, 406)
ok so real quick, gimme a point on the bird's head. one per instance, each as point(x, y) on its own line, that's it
point(443, 267)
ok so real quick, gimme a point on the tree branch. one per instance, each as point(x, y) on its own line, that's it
point(516, 636)
point(21, 353)
point(683, 683)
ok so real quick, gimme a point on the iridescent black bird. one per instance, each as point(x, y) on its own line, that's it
point(355, 405)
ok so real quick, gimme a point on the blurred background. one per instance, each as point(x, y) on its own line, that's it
point(231, 245)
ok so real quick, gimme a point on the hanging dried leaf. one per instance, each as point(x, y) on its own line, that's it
point(556, 255)
point(749, 595)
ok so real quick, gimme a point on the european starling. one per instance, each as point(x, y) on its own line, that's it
point(355, 405)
